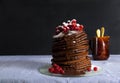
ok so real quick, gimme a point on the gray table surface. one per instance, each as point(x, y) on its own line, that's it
point(25, 69)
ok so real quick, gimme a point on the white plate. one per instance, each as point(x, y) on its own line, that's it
point(44, 70)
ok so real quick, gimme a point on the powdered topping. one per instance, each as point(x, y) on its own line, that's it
point(69, 28)
point(61, 34)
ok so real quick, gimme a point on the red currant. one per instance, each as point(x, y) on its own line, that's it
point(95, 68)
point(55, 65)
point(57, 68)
point(89, 69)
point(77, 28)
point(62, 72)
point(56, 71)
point(81, 26)
point(51, 69)
point(65, 30)
point(60, 69)
point(70, 27)
point(74, 21)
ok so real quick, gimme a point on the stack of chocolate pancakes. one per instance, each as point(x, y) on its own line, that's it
point(71, 53)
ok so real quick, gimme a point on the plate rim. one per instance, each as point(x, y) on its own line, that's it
point(44, 70)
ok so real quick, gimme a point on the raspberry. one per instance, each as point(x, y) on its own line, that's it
point(60, 69)
point(81, 26)
point(74, 21)
point(65, 30)
point(51, 69)
point(57, 68)
point(62, 72)
point(95, 68)
point(78, 29)
point(56, 71)
point(89, 69)
point(55, 65)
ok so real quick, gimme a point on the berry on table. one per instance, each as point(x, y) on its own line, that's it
point(95, 68)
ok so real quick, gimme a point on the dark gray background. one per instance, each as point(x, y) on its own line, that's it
point(27, 26)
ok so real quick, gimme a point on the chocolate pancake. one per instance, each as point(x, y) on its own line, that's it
point(70, 50)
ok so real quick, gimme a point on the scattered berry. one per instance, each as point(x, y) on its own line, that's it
point(74, 21)
point(55, 65)
point(62, 72)
point(65, 30)
point(51, 69)
point(81, 26)
point(89, 69)
point(60, 69)
point(70, 25)
point(56, 69)
point(95, 68)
